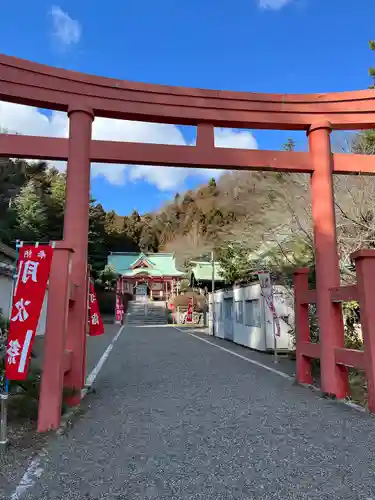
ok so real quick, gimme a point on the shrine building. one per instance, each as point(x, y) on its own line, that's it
point(200, 276)
point(153, 274)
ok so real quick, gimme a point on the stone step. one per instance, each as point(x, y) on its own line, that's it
point(156, 314)
point(140, 323)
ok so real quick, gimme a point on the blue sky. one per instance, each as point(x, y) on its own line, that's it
point(248, 45)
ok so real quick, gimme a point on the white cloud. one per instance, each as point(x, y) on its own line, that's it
point(30, 121)
point(273, 4)
point(66, 31)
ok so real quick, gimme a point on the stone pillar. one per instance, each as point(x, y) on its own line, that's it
point(76, 222)
point(333, 377)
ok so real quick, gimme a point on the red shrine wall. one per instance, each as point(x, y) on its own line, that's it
point(158, 288)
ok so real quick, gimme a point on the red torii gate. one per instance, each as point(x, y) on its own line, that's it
point(85, 97)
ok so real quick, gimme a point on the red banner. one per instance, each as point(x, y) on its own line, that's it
point(189, 314)
point(96, 323)
point(119, 309)
point(33, 269)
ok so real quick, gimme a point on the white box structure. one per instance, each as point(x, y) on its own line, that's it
point(242, 316)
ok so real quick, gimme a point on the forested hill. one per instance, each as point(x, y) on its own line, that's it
point(32, 197)
point(253, 210)
point(192, 224)
point(239, 206)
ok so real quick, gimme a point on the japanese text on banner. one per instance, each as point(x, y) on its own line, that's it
point(96, 323)
point(33, 269)
point(119, 311)
point(189, 314)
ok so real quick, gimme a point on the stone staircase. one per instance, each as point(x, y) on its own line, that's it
point(146, 313)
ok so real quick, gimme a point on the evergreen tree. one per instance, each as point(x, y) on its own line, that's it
point(31, 216)
point(289, 145)
point(56, 204)
point(97, 249)
point(133, 227)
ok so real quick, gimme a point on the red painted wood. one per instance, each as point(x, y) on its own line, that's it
point(344, 293)
point(54, 359)
point(53, 148)
point(350, 357)
point(308, 297)
point(365, 269)
point(310, 350)
point(73, 292)
point(67, 360)
point(334, 377)
point(76, 223)
point(33, 84)
point(205, 136)
point(303, 363)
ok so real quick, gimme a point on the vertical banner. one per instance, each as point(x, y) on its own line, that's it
point(33, 269)
point(189, 314)
point(267, 292)
point(118, 309)
point(96, 323)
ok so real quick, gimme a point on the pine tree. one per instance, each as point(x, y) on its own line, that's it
point(31, 216)
point(289, 145)
point(56, 204)
point(133, 227)
point(97, 249)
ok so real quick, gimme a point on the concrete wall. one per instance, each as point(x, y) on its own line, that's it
point(242, 316)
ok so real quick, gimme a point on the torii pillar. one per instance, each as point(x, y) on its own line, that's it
point(76, 222)
point(334, 378)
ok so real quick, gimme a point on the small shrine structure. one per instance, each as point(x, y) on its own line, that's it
point(200, 277)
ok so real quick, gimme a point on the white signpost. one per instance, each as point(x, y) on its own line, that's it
point(267, 293)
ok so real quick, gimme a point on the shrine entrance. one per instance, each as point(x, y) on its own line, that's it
point(142, 290)
point(85, 97)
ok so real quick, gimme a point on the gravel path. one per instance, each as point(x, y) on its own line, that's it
point(24, 440)
point(176, 418)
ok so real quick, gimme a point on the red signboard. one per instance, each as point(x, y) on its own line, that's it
point(33, 269)
point(96, 324)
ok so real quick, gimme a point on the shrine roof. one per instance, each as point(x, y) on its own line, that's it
point(203, 271)
point(153, 264)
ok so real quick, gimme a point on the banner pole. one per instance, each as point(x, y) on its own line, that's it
point(275, 360)
point(4, 396)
